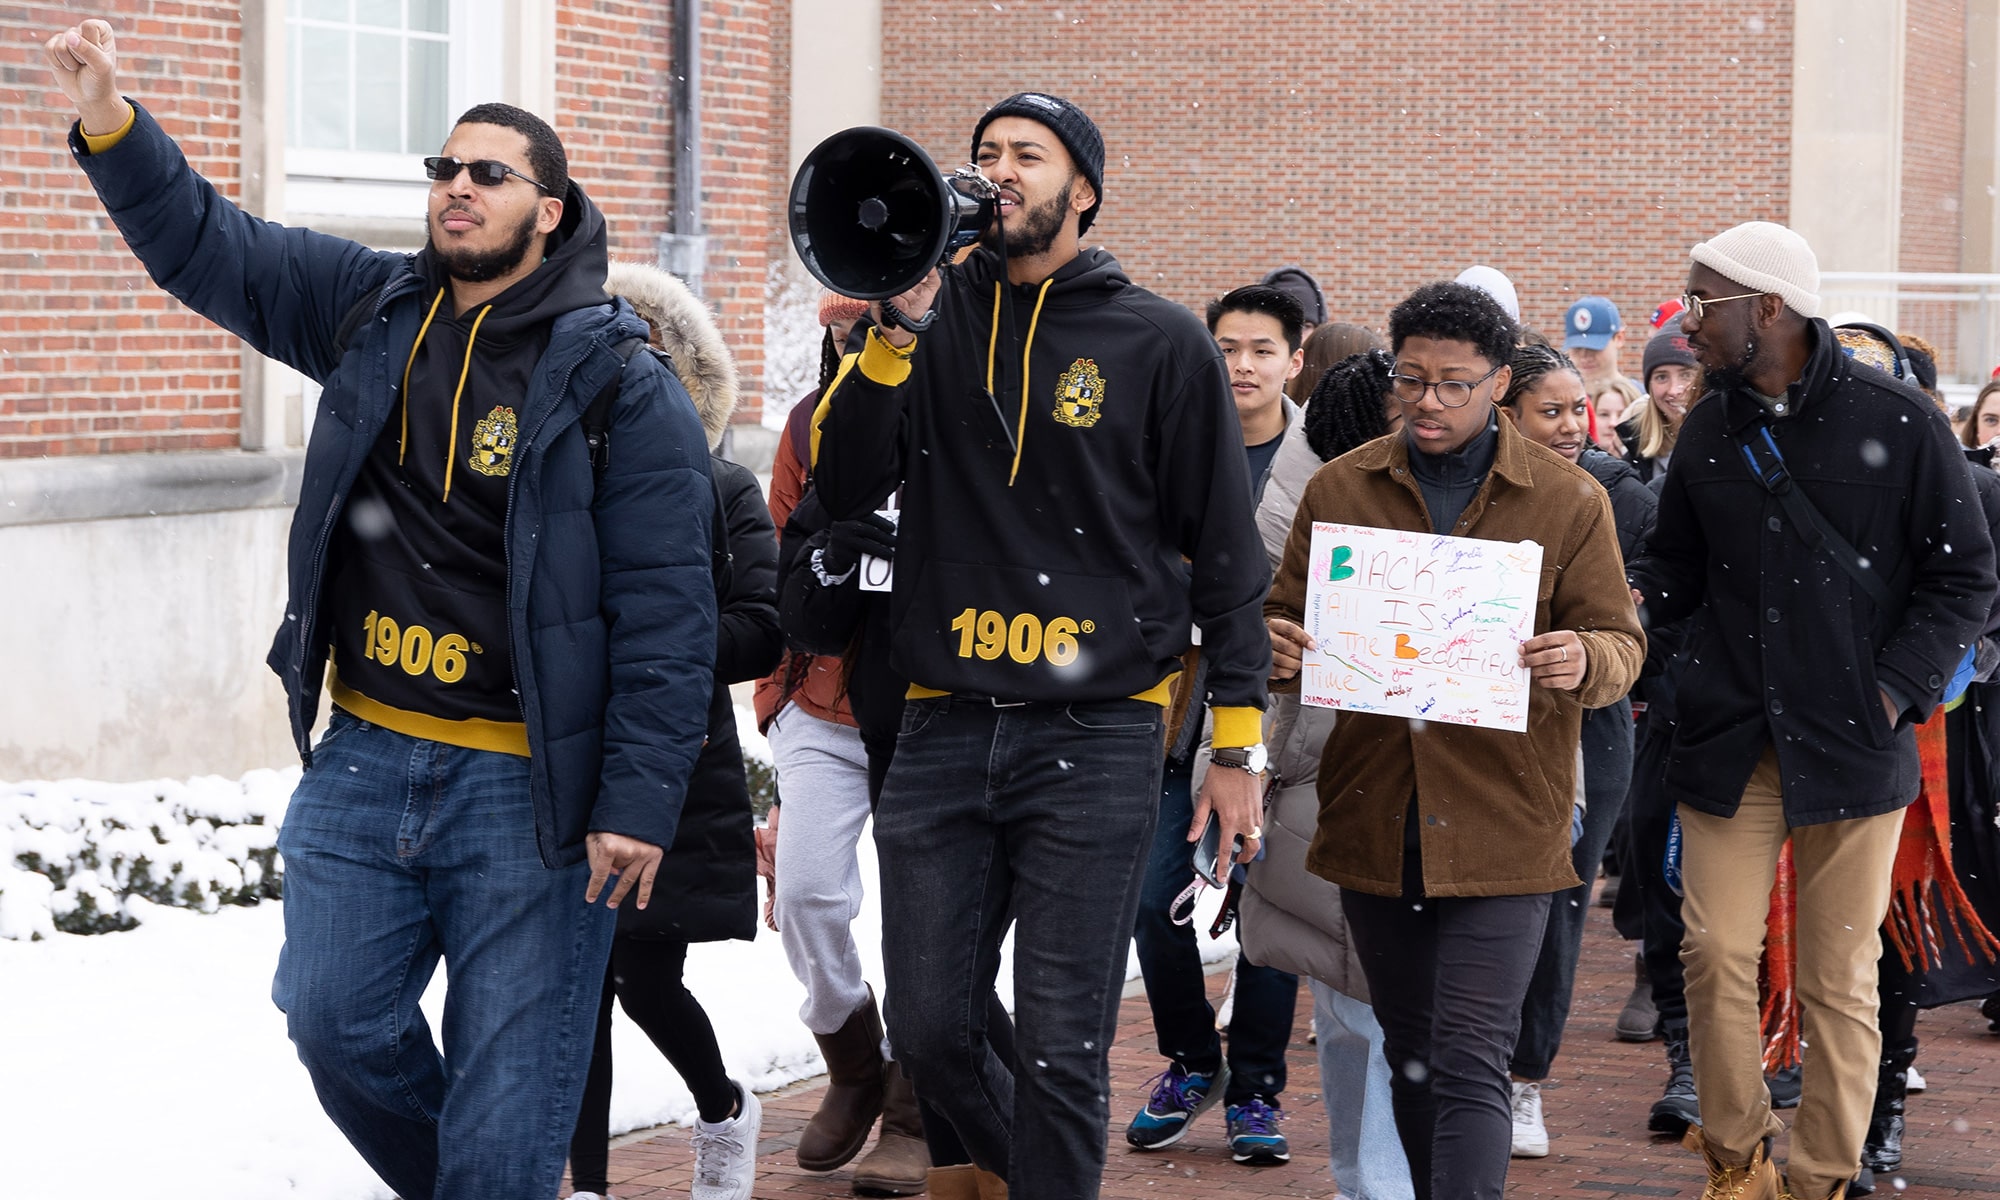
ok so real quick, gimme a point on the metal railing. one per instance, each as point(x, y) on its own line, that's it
point(1957, 313)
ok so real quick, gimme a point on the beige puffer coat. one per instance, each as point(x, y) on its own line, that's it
point(1290, 918)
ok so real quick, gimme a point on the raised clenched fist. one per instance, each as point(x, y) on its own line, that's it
point(85, 61)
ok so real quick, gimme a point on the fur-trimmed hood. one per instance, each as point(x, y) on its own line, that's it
point(687, 332)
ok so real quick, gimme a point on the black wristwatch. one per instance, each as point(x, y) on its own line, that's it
point(1252, 759)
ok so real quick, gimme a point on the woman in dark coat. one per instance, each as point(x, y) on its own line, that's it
point(708, 880)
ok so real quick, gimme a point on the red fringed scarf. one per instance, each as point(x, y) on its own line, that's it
point(1779, 978)
point(1927, 907)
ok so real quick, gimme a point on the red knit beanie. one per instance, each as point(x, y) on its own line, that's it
point(834, 307)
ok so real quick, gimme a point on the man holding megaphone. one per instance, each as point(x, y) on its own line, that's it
point(1075, 503)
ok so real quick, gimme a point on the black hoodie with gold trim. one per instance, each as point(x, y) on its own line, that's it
point(417, 597)
point(1075, 495)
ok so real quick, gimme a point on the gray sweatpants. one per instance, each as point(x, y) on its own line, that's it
point(823, 778)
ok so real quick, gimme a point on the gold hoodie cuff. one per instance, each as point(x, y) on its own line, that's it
point(884, 364)
point(98, 143)
point(1236, 728)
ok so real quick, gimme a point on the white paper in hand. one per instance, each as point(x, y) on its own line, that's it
point(1419, 625)
point(879, 574)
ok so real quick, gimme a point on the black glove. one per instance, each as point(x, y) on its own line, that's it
point(848, 541)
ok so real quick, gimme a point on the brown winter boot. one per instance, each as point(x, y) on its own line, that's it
point(1754, 1180)
point(965, 1182)
point(900, 1160)
point(960, 1182)
point(853, 1097)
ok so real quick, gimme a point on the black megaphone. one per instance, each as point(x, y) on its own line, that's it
point(871, 214)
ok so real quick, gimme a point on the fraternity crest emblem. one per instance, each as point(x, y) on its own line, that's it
point(1080, 394)
point(493, 442)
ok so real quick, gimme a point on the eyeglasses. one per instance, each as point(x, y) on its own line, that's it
point(1695, 304)
point(1452, 393)
point(486, 172)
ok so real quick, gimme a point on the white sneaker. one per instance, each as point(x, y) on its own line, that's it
point(591, 1196)
point(1531, 1140)
point(1912, 1081)
point(1226, 1011)
point(725, 1154)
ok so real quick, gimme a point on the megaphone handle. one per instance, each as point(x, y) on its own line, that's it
point(891, 315)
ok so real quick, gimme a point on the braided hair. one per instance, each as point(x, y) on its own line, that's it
point(829, 360)
point(1531, 364)
point(1347, 406)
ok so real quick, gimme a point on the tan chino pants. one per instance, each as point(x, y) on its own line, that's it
point(1728, 865)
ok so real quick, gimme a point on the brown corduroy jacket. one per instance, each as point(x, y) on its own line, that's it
point(1495, 804)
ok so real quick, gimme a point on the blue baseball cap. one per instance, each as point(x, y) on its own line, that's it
point(1590, 324)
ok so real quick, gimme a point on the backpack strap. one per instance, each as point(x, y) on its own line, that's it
point(596, 424)
point(356, 316)
point(1767, 467)
point(597, 417)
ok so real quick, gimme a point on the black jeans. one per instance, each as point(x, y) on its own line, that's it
point(1650, 815)
point(1177, 989)
point(646, 975)
point(1607, 773)
point(1447, 977)
point(1041, 813)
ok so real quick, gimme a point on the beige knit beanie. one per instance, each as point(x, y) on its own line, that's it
point(1768, 257)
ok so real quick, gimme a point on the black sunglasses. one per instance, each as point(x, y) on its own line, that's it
point(486, 172)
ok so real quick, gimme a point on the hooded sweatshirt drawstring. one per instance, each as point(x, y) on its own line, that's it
point(1027, 346)
point(465, 369)
point(403, 442)
point(451, 445)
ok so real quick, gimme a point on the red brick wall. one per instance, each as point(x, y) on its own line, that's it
point(1382, 144)
point(615, 115)
point(737, 103)
point(778, 151)
point(614, 63)
point(93, 358)
point(1933, 161)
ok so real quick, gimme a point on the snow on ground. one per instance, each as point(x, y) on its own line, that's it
point(151, 1062)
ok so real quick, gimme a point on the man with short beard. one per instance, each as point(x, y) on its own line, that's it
point(516, 629)
point(1075, 500)
point(1822, 513)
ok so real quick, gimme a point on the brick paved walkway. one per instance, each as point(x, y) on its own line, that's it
point(1595, 1106)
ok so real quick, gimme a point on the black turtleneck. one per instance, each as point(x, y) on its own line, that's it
point(1450, 480)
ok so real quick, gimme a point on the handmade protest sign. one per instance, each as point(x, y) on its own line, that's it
point(1419, 625)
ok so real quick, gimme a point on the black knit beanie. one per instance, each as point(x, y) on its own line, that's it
point(1077, 132)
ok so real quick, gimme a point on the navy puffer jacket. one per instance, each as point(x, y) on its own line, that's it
point(611, 604)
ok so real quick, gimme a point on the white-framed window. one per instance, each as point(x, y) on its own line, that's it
point(372, 86)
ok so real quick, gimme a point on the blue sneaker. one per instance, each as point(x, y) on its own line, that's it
point(1254, 1136)
point(1179, 1096)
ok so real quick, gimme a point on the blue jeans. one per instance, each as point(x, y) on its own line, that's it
point(399, 852)
point(1607, 774)
point(1170, 962)
point(1368, 1158)
point(1038, 815)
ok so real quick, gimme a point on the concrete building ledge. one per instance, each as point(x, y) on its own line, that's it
point(47, 490)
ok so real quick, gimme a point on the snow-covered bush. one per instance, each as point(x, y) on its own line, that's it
point(72, 852)
point(791, 337)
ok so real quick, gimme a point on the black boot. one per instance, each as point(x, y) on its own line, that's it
point(1676, 1109)
point(1785, 1084)
point(1882, 1150)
